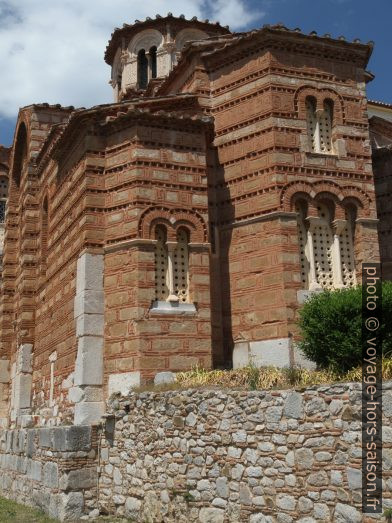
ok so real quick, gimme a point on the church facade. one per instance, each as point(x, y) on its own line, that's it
point(185, 223)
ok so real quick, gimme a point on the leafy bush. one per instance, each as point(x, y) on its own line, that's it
point(331, 327)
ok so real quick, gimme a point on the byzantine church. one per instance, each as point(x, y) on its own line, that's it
point(184, 224)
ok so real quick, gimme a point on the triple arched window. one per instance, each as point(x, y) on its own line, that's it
point(319, 125)
point(171, 266)
point(326, 246)
point(146, 66)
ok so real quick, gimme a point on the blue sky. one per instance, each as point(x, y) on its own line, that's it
point(52, 50)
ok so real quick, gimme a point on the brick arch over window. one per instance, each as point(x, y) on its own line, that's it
point(176, 219)
point(365, 204)
point(359, 197)
point(321, 96)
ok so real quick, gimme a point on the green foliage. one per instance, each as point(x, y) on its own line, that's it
point(331, 327)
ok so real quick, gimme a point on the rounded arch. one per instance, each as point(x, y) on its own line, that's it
point(145, 40)
point(321, 95)
point(289, 192)
point(172, 219)
point(188, 35)
point(20, 154)
point(359, 198)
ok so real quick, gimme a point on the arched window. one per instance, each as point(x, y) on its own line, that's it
point(319, 125)
point(161, 264)
point(171, 266)
point(142, 69)
point(180, 266)
point(153, 61)
point(3, 197)
point(326, 246)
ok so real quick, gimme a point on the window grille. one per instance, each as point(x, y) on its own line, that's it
point(311, 122)
point(325, 120)
point(180, 266)
point(319, 126)
point(347, 250)
point(2, 211)
point(302, 240)
point(161, 263)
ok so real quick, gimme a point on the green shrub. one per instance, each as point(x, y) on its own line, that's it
point(331, 325)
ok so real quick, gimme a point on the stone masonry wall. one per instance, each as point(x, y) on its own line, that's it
point(209, 456)
point(53, 469)
point(236, 456)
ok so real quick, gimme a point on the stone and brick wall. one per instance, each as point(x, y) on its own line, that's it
point(256, 92)
point(52, 469)
point(203, 455)
point(230, 456)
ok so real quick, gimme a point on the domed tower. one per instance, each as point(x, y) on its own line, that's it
point(148, 51)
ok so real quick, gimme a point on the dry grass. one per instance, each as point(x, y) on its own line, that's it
point(269, 377)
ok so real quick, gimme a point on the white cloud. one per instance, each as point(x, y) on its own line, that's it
point(52, 50)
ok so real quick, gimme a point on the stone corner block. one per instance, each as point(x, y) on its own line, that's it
point(274, 353)
point(89, 302)
point(240, 354)
point(89, 272)
point(24, 358)
point(89, 412)
point(89, 361)
point(123, 382)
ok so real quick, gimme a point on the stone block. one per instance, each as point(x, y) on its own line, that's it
point(293, 406)
point(85, 393)
point(35, 470)
point(274, 353)
point(72, 439)
point(240, 354)
point(45, 437)
point(89, 302)
point(211, 515)
point(89, 412)
point(163, 378)
point(89, 325)
point(75, 394)
point(132, 508)
point(50, 475)
point(4, 371)
point(66, 507)
point(89, 272)
point(122, 383)
point(89, 361)
point(22, 391)
point(24, 358)
point(79, 479)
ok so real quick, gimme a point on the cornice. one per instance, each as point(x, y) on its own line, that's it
point(121, 36)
